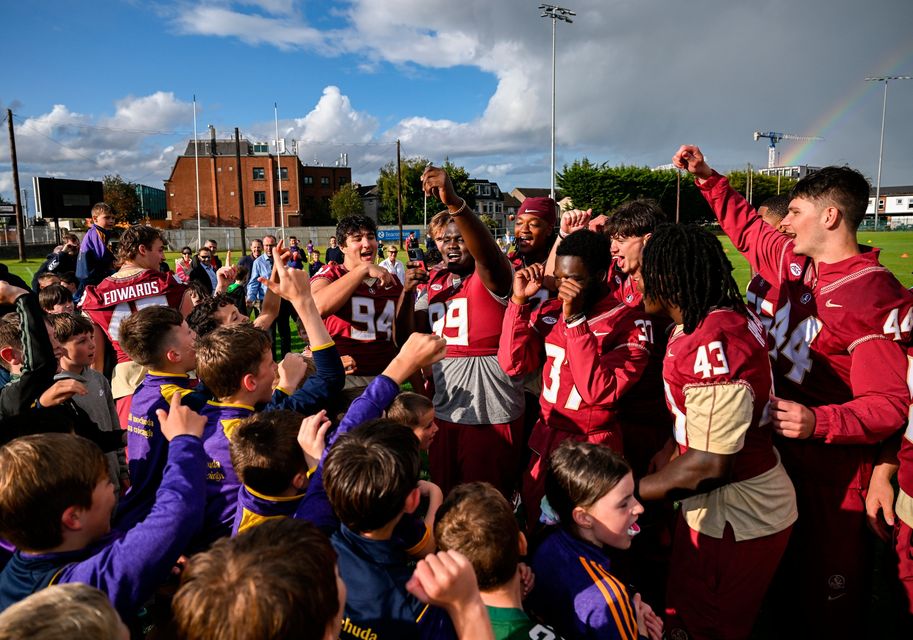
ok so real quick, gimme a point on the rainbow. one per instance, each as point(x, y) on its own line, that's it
point(828, 121)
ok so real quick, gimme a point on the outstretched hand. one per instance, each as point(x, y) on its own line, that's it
point(527, 283)
point(312, 437)
point(574, 220)
point(436, 182)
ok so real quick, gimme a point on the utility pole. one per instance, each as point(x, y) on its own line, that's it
point(240, 191)
point(399, 195)
point(20, 223)
point(554, 13)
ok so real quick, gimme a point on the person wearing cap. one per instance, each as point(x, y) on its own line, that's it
point(534, 229)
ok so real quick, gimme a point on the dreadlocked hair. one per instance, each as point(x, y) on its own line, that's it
point(685, 265)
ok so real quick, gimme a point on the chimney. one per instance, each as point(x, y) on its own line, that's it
point(212, 140)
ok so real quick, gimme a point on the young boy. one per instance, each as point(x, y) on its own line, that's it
point(421, 350)
point(159, 339)
point(287, 587)
point(236, 365)
point(270, 455)
point(56, 298)
point(371, 476)
point(46, 280)
point(477, 521)
point(416, 412)
point(71, 611)
point(56, 501)
point(76, 336)
point(95, 260)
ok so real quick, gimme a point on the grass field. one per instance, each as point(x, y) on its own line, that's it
point(893, 245)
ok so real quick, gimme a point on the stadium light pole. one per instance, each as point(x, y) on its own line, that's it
point(554, 13)
point(884, 108)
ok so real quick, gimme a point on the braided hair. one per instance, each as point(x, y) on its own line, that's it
point(685, 265)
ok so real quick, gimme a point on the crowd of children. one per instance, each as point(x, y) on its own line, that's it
point(617, 446)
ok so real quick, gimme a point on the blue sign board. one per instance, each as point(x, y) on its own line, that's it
point(393, 234)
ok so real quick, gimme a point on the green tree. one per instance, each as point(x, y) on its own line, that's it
point(346, 202)
point(412, 194)
point(604, 188)
point(121, 196)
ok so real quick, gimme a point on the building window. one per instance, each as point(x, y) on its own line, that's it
point(284, 172)
point(284, 197)
point(261, 148)
point(324, 181)
point(308, 179)
point(478, 189)
point(260, 198)
point(259, 174)
point(486, 190)
point(343, 180)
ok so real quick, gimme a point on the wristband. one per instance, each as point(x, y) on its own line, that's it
point(562, 234)
point(462, 210)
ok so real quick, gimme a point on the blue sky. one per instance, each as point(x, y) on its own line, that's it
point(106, 87)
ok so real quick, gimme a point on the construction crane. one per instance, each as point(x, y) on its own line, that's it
point(774, 138)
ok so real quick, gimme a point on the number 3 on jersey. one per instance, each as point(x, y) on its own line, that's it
point(451, 321)
point(363, 313)
point(552, 383)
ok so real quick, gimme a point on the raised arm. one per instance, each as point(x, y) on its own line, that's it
point(761, 244)
point(330, 296)
point(520, 347)
point(492, 265)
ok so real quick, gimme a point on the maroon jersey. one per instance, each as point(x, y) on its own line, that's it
point(116, 297)
point(623, 287)
point(589, 366)
point(834, 330)
point(724, 361)
point(363, 326)
point(465, 313)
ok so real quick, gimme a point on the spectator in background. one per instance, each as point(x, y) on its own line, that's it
point(213, 247)
point(411, 241)
point(184, 265)
point(61, 260)
point(204, 271)
point(314, 265)
point(95, 261)
point(393, 265)
point(296, 258)
point(256, 250)
point(334, 253)
point(310, 246)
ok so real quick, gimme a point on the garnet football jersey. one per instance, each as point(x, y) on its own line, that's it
point(623, 286)
point(718, 386)
point(588, 366)
point(363, 326)
point(116, 297)
point(821, 319)
point(465, 313)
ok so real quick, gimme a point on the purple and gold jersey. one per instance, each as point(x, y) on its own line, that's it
point(576, 594)
point(222, 483)
point(147, 448)
point(256, 508)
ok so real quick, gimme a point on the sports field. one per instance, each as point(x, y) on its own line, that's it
point(893, 245)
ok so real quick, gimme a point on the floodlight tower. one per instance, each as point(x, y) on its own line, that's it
point(555, 13)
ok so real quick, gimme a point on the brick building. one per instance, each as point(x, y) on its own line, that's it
point(305, 190)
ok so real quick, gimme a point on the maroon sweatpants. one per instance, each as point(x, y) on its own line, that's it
point(716, 586)
point(477, 453)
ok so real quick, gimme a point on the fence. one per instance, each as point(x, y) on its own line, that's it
point(33, 235)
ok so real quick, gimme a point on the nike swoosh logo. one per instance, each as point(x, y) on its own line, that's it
point(835, 597)
point(832, 305)
point(601, 333)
